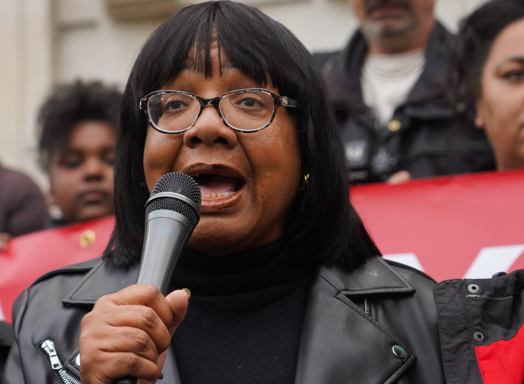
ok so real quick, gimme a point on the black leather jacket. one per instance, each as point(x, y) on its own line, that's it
point(422, 136)
point(377, 324)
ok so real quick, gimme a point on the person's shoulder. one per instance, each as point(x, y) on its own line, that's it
point(48, 291)
point(78, 270)
point(18, 187)
point(320, 59)
point(412, 274)
point(381, 277)
point(15, 178)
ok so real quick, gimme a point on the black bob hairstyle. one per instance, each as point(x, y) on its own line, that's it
point(476, 36)
point(322, 221)
point(69, 105)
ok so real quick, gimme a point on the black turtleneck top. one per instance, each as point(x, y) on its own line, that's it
point(245, 315)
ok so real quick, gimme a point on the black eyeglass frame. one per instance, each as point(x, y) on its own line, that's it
point(215, 101)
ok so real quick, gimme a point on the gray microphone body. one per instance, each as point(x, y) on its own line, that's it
point(165, 236)
point(172, 212)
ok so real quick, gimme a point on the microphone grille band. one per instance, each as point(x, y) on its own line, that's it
point(180, 183)
point(172, 204)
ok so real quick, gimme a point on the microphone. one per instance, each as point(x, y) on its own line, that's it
point(172, 212)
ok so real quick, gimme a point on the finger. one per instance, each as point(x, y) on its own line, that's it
point(179, 301)
point(110, 323)
point(127, 339)
point(147, 295)
point(111, 366)
point(399, 178)
point(160, 364)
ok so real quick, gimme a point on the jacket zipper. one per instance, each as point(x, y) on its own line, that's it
point(367, 310)
point(49, 347)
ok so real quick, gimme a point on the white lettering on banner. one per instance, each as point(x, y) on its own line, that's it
point(491, 260)
point(409, 259)
point(2, 316)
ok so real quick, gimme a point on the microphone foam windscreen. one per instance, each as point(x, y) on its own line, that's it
point(182, 184)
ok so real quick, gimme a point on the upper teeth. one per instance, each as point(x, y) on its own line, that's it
point(216, 195)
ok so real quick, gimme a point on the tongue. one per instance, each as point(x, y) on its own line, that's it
point(217, 184)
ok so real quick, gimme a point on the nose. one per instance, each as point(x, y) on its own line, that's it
point(93, 169)
point(210, 130)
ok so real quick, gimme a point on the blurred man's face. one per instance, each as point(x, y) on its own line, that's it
point(389, 18)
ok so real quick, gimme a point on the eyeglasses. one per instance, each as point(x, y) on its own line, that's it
point(244, 110)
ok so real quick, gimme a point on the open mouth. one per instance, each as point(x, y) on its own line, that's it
point(215, 186)
point(222, 187)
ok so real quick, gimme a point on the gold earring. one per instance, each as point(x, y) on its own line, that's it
point(305, 181)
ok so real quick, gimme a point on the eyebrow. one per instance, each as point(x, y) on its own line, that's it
point(517, 59)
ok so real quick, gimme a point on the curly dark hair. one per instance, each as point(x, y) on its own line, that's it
point(69, 105)
point(476, 35)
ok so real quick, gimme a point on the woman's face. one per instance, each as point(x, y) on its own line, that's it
point(248, 180)
point(500, 109)
point(81, 175)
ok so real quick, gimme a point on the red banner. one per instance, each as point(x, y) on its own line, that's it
point(29, 257)
point(449, 227)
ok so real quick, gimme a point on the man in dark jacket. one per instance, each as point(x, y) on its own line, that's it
point(387, 90)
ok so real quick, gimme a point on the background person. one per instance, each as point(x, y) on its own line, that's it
point(386, 88)
point(23, 208)
point(285, 284)
point(488, 77)
point(77, 149)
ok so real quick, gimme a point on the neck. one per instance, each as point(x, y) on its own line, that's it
point(415, 39)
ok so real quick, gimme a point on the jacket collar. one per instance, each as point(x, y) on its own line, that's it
point(103, 279)
point(425, 98)
point(335, 331)
point(373, 278)
point(339, 341)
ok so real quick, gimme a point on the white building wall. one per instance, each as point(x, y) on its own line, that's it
point(46, 42)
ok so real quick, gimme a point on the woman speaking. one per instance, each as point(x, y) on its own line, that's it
point(285, 282)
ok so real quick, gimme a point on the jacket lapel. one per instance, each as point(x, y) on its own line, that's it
point(103, 279)
point(340, 343)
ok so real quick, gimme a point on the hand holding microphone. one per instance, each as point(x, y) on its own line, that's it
point(128, 333)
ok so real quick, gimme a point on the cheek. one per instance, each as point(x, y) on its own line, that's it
point(279, 158)
point(160, 154)
point(62, 186)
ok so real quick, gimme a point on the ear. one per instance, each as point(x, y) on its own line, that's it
point(50, 197)
point(480, 121)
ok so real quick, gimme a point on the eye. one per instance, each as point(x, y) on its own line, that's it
point(109, 158)
point(516, 75)
point(250, 102)
point(174, 106)
point(175, 103)
point(71, 162)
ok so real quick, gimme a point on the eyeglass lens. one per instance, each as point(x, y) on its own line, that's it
point(247, 110)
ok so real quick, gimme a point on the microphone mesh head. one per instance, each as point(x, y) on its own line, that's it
point(178, 183)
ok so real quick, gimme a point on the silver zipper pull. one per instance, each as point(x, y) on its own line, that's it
point(49, 347)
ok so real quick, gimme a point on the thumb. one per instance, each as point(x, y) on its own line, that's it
point(179, 301)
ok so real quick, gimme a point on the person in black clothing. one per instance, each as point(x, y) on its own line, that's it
point(386, 89)
point(286, 285)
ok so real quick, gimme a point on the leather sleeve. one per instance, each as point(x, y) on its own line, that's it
point(13, 369)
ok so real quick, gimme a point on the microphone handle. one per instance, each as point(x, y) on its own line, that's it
point(166, 235)
point(126, 380)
